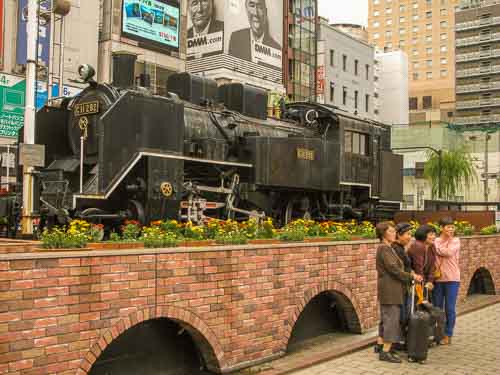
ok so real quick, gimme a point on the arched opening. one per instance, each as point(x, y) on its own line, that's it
point(159, 346)
point(481, 283)
point(330, 314)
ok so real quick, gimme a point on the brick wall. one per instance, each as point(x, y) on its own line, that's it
point(59, 311)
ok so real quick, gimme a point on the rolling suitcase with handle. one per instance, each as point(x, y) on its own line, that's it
point(418, 329)
point(438, 320)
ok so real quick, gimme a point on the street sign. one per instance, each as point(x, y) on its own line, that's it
point(31, 155)
point(12, 95)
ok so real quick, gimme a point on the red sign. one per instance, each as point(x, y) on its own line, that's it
point(1, 34)
point(320, 80)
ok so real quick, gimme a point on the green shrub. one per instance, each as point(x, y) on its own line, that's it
point(489, 230)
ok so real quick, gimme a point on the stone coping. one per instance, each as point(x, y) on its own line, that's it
point(85, 253)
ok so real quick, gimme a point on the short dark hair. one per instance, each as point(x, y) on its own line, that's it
point(446, 221)
point(381, 228)
point(423, 231)
point(402, 228)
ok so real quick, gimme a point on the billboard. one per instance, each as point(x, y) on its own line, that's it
point(12, 98)
point(250, 30)
point(153, 23)
point(43, 34)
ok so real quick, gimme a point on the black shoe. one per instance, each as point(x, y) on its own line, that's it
point(377, 348)
point(388, 357)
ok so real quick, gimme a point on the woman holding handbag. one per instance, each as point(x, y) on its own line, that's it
point(447, 283)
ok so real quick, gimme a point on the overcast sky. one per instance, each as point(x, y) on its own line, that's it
point(350, 11)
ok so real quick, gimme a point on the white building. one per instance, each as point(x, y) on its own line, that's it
point(391, 87)
point(347, 64)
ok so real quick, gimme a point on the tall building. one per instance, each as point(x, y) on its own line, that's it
point(478, 63)
point(424, 30)
point(356, 31)
point(299, 50)
point(347, 64)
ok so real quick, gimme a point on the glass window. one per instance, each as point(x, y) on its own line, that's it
point(428, 14)
point(376, 35)
point(402, 31)
point(367, 103)
point(388, 22)
point(444, 61)
point(415, 17)
point(428, 50)
point(356, 97)
point(388, 10)
point(416, 65)
point(367, 71)
point(443, 24)
point(376, 13)
point(443, 12)
point(427, 102)
point(429, 63)
point(414, 52)
point(344, 63)
point(444, 36)
point(444, 73)
point(402, 19)
point(348, 141)
point(402, 7)
point(428, 38)
point(413, 103)
point(344, 95)
point(388, 34)
point(428, 26)
point(376, 24)
point(332, 92)
point(415, 76)
point(415, 5)
point(356, 66)
point(415, 29)
point(444, 48)
point(332, 57)
point(428, 75)
point(355, 143)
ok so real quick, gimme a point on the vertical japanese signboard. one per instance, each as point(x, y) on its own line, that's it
point(43, 33)
point(12, 95)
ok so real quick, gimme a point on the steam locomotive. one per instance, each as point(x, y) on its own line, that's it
point(117, 152)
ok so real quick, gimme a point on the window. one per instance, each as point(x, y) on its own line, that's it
point(427, 102)
point(388, 21)
point(428, 2)
point(367, 103)
point(402, 8)
point(415, 29)
point(443, 24)
point(356, 65)
point(413, 103)
point(332, 57)
point(332, 92)
point(444, 73)
point(344, 63)
point(444, 36)
point(367, 71)
point(428, 38)
point(376, 35)
point(356, 95)
point(444, 61)
point(344, 95)
point(428, 14)
point(415, 17)
point(402, 31)
point(414, 41)
point(428, 26)
point(376, 13)
point(376, 24)
point(428, 75)
point(443, 12)
point(402, 43)
point(388, 10)
point(444, 49)
point(429, 63)
point(415, 76)
point(402, 19)
point(415, 5)
point(375, 2)
point(356, 143)
point(415, 65)
point(428, 50)
point(414, 52)
point(388, 34)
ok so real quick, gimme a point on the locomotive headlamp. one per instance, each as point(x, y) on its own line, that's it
point(86, 72)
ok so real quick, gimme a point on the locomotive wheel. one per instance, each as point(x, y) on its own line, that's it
point(292, 212)
point(135, 211)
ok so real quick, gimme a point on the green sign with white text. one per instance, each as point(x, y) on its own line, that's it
point(12, 95)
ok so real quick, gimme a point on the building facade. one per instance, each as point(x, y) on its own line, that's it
point(391, 87)
point(300, 49)
point(424, 30)
point(356, 31)
point(347, 63)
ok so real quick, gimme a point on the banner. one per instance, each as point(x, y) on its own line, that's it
point(43, 34)
point(12, 99)
point(152, 21)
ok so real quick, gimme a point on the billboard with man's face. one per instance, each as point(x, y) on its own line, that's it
point(250, 30)
point(152, 22)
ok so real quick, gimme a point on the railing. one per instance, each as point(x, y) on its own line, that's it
point(476, 119)
point(478, 103)
point(477, 39)
point(478, 55)
point(477, 23)
point(478, 71)
point(478, 87)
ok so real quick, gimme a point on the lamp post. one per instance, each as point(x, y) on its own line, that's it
point(439, 153)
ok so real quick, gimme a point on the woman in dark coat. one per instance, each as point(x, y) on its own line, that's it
point(392, 280)
point(422, 254)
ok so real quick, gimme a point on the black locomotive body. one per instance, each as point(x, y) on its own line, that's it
point(207, 151)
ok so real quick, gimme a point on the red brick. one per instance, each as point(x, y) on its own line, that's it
point(22, 284)
point(9, 316)
point(90, 316)
point(22, 264)
point(69, 262)
point(21, 365)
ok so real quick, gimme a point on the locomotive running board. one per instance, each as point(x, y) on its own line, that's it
point(139, 156)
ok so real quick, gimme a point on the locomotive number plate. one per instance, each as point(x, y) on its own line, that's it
point(89, 108)
point(305, 154)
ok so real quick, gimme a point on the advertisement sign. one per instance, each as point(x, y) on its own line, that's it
point(320, 80)
point(12, 98)
point(154, 22)
point(250, 30)
point(43, 34)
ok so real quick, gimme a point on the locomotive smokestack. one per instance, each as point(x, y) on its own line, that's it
point(124, 69)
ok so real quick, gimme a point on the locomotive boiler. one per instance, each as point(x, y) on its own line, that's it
point(117, 152)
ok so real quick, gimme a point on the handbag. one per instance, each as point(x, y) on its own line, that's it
point(437, 271)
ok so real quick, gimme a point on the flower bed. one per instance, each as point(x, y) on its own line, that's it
point(171, 233)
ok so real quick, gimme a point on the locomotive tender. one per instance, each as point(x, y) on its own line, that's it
point(206, 151)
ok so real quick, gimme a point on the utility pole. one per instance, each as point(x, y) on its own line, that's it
point(30, 111)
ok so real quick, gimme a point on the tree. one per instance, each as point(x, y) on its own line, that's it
point(455, 169)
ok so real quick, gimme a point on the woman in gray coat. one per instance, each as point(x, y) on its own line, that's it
point(392, 280)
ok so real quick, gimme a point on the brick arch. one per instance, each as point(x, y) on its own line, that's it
point(485, 274)
point(202, 335)
point(356, 326)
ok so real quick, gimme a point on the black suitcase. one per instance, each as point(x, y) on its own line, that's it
point(418, 330)
point(438, 321)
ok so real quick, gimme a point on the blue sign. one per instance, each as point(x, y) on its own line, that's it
point(42, 94)
point(151, 20)
point(43, 34)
